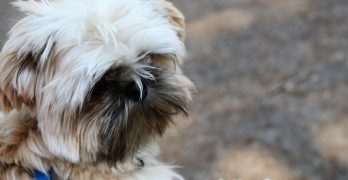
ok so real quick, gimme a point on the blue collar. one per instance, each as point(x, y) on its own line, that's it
point(38, 175)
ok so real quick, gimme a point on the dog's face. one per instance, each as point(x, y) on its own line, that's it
point(102, 77)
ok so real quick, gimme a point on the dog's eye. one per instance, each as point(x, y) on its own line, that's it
point(100, 87)
point(128, 89)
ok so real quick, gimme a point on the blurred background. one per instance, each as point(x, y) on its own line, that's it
point(272, 80)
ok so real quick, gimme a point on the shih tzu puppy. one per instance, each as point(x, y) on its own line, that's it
point(87, 87)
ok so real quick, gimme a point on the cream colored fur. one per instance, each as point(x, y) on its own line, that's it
point(50, 63)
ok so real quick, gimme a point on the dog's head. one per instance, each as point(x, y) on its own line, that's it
point(102, 77)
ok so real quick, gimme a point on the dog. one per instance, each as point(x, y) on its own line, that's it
point(88, 87)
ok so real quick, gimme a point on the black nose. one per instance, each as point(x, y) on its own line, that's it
point(133, 92)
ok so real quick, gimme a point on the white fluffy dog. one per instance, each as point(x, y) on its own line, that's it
point(88, 86)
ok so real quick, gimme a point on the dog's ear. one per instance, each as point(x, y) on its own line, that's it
point(20, 61)
point(176, 18)
point(18, 72)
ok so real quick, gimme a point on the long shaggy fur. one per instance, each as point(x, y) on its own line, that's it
point(88, 86)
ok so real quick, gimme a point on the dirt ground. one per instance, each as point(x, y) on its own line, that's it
point(272, 80)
